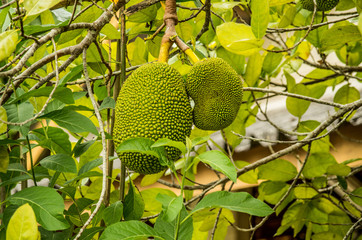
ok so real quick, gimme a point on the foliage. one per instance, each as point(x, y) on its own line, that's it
point(61, 68)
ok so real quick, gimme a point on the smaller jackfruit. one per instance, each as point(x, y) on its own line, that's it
point(322, 5)
point(217, 91)
point(153, 104)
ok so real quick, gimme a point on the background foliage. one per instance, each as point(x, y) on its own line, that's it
point(61, 67)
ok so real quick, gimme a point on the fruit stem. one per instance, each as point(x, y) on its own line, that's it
point(170, 19)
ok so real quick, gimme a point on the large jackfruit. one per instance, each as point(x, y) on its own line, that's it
point(153, 104)
point(322, 5)
point(217, 91)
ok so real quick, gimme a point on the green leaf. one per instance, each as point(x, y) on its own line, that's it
point(167, 142)
point(253, 69)
point(107, 102)
point(321, 145)
point(150, 179)
point(346, 94)
point(8, 42)
point(303, 191)
point(60, 162)
point(167, 229)
point(337, 36)
point(272, 191)
point(34, 7)
point(61, 93)
point(129, 230)
point(272, 61)
point(297, 106)
point(223, 7)
point(19, 113)
point(326, 236)
point(88, 233)
point(22, 224)
point(248, 177)
point(73, 121)
point(238, 38)
point(220, 162)
point(110, 31)
point(53, 139)
point(317, 164)
point(338, 169)
point(234, 201)
point(90, 165)
point(4, 117)
point(141, 145)
point(236, 61)
point(152, 206)
point(357, 196)
point(113, 213)
point(259, 17)
point(47, 204)
point(171, 206)
point(133, 205)
point(4, 159)
point(81, 148)
point(74, 74)
point(145, 15)
point(277, 170)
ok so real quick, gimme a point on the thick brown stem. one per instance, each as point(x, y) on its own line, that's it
point(170, 19)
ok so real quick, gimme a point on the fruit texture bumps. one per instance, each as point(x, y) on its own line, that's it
point(322, 5)
point(153, 104)
point(217, 91)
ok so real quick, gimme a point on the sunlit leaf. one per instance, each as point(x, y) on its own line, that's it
point(238, 38)
point(22, 224)
point(8, 42)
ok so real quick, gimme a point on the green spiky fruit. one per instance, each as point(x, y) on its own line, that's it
point(322, 5)
point(153, 104)
point(217, 91)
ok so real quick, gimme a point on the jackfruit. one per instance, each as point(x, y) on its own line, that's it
point(217, 91)
point(153, 104)
point(322, 5)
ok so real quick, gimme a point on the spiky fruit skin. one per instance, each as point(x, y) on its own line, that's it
point(322, 5)
point(153, 104)
point(217, 91)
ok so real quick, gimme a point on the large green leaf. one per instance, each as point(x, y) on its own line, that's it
point(234, 201)
point(259, 17)
point(71, 120)
point(133, 205)
point(297, 106)
point(19, 113)
point(253, 69)
point(167, 142)
point(53, 139)
point(61, 93)
point(317, 164)
point(34, 7)
point(130, 230)
point(277, 170)
point(47, 204)
point(272, 191)
point(220, 162)
point(167, 229)
point(238, 38)
point(113, 213)
point(346, 94)
point(338, 35)
point(22, 224)
point(60, 162)
point(8, 42)
point(171, 206)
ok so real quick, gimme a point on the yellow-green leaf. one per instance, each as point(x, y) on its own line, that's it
point(260, 17)
point(34, 7)
point(238, 38)
point(8, 41)
point(22, 224)
point(273, 3)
